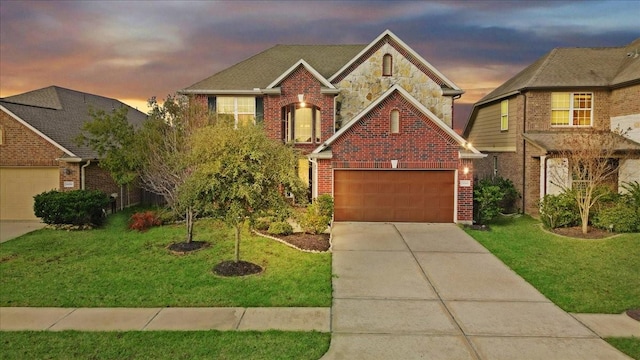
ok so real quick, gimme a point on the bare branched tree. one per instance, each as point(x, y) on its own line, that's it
point(591, 160)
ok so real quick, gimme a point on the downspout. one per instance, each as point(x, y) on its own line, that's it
point(82, 175)
point(453, 100)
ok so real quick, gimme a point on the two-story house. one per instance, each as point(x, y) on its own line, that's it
point(524, 122)
point(38, 152)
point(372, 123)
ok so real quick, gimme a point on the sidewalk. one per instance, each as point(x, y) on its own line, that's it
point(136, 319)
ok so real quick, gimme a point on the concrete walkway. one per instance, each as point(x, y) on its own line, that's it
point(135, 319)
point(11, 229)
point(429, 291)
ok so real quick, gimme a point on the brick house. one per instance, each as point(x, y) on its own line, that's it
point(523, 124)
point(38, 153)
point(372, 123)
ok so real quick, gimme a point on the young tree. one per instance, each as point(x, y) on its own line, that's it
point(242, 173)
point(591, 158)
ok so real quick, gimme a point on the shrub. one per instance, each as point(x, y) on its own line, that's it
point(632, 193)
point(77, 207)
point(509, 194)
point(620, 217)
point(559, 211)
point(325, 205)
point(143, 221)
point(486, 201)
point(315, 219)
point(280, 228)
point(262, 224)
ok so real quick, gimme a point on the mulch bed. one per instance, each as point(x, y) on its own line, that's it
point(576, 232)
point(187, 247)
point(305, 241)
point(240, 268)
point(634, 314)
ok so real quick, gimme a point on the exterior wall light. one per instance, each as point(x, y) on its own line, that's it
point(465, 170)
point(301, 100)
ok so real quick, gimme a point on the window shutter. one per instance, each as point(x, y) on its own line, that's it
point(211, 100)
point(259, 110)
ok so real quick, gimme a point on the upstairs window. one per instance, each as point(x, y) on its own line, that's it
point(571, 109)
point(301, 124)
point(387, 65)
point(394, 120)
point(504, 115)
point(242, 108)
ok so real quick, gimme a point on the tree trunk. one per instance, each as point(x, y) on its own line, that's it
point(189, 221)
point(585, 221)
point(237, 254)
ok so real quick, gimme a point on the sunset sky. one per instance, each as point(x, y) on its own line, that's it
point(133, 50)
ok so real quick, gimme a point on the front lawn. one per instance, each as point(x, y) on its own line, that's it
point(116, 267)
point(582, 276)
point(159, 345)
point(629, 346)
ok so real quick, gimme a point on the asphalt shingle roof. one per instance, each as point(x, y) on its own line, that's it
point(555, 141)
point(261, 69)
point(575, 67)
point(59, 114)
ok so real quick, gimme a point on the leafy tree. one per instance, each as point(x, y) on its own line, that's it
point(592, 157)
point(242, 173)
point(113, 137)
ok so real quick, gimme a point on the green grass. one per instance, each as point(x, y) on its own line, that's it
point(583, 276)
point(116, 267)
point(629, 346)
point(158, 345)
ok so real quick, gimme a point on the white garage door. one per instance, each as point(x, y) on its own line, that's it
point(19, 185)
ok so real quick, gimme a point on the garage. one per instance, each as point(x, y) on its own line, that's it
point(394, 195)
point(19, 185)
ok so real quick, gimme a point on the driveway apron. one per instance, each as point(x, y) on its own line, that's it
point(430, 291)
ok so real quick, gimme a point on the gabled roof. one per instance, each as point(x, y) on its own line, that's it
point(418, 60)
point(309, 68)
point(575, 67)
point(57, 114)
point(259, 71)
point(470, 151)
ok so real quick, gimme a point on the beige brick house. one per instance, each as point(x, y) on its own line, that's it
point(38, 152)
point(522, 123)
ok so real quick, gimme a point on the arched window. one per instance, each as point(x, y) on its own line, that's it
point(387, 65)
point(394, 121)
point(301, 124)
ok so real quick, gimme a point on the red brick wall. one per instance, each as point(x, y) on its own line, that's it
point(420, 144)
point(300, 81)
point(23, 147)
point(99, 179)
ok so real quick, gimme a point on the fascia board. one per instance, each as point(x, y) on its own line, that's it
point(309, 68)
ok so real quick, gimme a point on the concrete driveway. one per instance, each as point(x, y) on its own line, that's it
point(429, 291)
point(11, 229)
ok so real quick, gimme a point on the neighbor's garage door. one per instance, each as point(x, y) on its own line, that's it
point(19, 185)
point(400, 195)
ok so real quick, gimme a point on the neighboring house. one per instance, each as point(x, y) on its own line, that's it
point(523, 124)
point(38, 152)
point(372, 123)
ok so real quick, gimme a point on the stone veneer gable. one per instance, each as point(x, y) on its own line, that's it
point(365, 83)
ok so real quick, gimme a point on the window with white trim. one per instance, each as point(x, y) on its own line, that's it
point(301, 124)
point(504, 115)
point(571, 109)
point(394, 121)
point(243, 108)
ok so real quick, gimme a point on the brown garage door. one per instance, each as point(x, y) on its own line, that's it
point(400, 195)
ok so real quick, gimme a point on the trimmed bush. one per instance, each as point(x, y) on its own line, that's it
point(559, 211)
point(143, 221)
point(262, 224)
point(509, 195)
point(280, 228)
point(78, 207)
point(313, 221)
point(486, 201)
point(325, 205)
point(621, 217)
